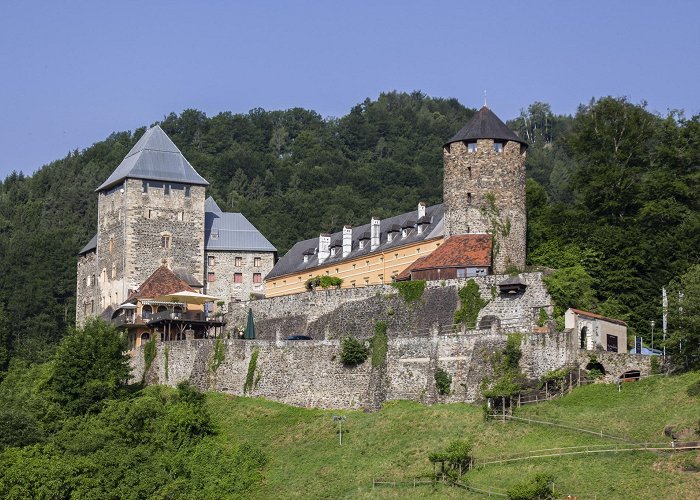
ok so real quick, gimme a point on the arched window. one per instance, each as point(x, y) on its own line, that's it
point(584, 334)
point(161, 309)
point(147, 312)
point(145, 337)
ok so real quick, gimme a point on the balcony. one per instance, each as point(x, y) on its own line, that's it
point(189, 317)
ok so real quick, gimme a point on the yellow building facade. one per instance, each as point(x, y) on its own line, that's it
point(375, 268)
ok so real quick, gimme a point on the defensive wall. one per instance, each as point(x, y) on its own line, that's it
point(310, 373)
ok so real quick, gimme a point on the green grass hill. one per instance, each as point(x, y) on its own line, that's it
point(305, 460)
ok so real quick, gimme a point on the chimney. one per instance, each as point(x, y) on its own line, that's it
point(324, 242)
point(347, 240)
point(374, 234)
point(421, 209)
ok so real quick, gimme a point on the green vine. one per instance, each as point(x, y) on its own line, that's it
point(410, 290)
point(499, 228)
point(470, 304)
point(166, 356)
point(149, 354)
point(217, 356)
point(543, 318)
point(380, 344)
point(443, 381)
point(250, 376)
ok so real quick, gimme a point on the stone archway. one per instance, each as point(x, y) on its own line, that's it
point(584, 338)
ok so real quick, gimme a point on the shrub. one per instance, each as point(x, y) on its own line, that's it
point(353, 352)
point(512, 353)
point(380, 344)
point(655, 365)
point(323, 282)
point(410, 290)
point(595, 368)
point(443, 381)
point(456, 456)
point(471, 303)
point(694, 389)
point(543, 318)
point(537, 488)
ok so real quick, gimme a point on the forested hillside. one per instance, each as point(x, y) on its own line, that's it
point(612, 196)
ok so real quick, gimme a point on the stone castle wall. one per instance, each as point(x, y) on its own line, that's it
point(468, 178)
point(310, 373)
point(223, 265)
point(87, 292)
point(327, 314)
point(111, 240)
point(153, 214)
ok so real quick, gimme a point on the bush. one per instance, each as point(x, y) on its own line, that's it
point(655, 365)
point(410, 290)
point(353, 352)
point(543, 317)
point(323, 282)
point(457, 456)
point(694, 389)
point(443, 381)
point(537, 488)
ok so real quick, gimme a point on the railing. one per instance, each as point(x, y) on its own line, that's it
point(124, 320)
point(182, 316)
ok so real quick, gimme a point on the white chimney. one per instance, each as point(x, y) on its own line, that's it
point(421, 209)
point(324, 242)
point(347, 240)
point(374, 234)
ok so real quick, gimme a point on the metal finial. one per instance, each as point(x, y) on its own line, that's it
point(485, 103)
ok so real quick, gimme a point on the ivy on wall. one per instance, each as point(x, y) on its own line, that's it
point(470, 304)
point(149, 354)
point(410, 290)
point(380, 344)
point(250, 376)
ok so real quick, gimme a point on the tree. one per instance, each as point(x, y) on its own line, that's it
point(684, 319)
point(89, 366)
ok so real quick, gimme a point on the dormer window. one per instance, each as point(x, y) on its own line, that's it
point(362, 244)
point(334, 251)
point(215, 234)
point(306, 258)
point(471, 147)
point(404, 232)
point(389, 236)
point(498, 147)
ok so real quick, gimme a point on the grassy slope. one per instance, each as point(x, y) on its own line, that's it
point(305, 460)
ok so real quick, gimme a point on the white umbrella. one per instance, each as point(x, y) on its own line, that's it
point(189, 297)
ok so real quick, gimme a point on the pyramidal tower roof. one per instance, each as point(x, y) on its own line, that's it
point(154, 157)
point(485, 125)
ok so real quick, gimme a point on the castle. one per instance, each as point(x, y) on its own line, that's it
point(155, 223)
point(478, 230)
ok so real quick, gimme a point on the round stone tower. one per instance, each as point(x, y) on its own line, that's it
point(484, 187)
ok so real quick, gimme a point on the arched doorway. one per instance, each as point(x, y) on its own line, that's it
point(145, 337)
point(584, 335)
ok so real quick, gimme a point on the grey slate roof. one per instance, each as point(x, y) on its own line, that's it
point(92, 245)
point(293, 260)
point(154, 157)
point(231, 231)
point(485, 125)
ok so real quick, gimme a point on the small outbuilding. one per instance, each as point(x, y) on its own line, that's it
point(596, 332)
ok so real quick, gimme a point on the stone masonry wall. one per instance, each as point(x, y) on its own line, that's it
point(325, 314)
point(223, 265)
point(87, 292)
point(111, 246)
point(469, 178)
point(154, 214)
point(310, 373)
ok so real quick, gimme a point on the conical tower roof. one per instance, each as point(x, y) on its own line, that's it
point(155, 157)
point(485, 125)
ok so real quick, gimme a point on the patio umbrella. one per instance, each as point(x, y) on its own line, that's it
point(250, 327)
point(189, 297)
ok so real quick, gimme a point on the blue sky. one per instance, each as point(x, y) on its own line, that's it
point(73, 72)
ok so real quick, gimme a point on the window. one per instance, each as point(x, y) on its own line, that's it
point(469, 171)
point(166, 190)
point(461, 273)
point(239, 261)
point(92, 282)
point(187, 191)
point(238, 278)
point(111, 244)
point(92, 306)
point(210, 260)
point(145, 187)
point(257, 278)
point(165, 241)
point(149, 214)
point(498, 147)
point(471, 147)
point(211, 277)
point(181, 215)
point(215, 234)
point(146, 312)
point(469, 197)
point(257, 262)
point(611, 343)
point(362, 244)
point(114, 270)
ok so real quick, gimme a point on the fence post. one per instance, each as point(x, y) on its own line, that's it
point(570, 384)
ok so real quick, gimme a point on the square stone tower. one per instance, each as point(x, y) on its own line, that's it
point(150, 213)
point(484, 187)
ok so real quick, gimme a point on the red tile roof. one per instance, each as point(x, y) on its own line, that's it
point(598, 316)
point(460, 251)
point(162, 282)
